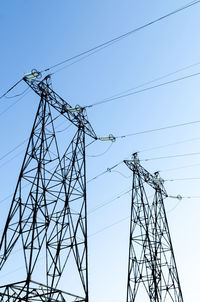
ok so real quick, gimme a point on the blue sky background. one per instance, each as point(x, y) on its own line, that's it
point(38, 34)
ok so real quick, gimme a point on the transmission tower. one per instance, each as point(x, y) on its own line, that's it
point(152, 271)
point(46, 228)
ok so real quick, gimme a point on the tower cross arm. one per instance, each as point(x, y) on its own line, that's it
point(76, 115)
point(155, 181)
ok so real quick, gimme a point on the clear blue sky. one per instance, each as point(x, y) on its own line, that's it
point(38, 34)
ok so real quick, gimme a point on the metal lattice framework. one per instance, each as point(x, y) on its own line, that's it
point(47, 220)
point(152, 271)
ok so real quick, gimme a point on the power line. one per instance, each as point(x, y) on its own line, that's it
point(171, 156)
point(10, 195)
point(118, 38)
point(121, 174)
point(113, 224)
point(106, 171)
point(101, 154)
point(23, 142)
point(14, 103)
point(16, 95)
point(15, 148)
point(127, 135)
point(186, 178)
point(119, 163)
point(109, 226)
point(11, 159)
point(5, 198)
point(108, 202)
point(180, 167)
point(169, 145)
point(154, 80)
point(180, 197)
point(3, 95)
point(157, 129)
point(174, 207)
point(124, 136)
point(142, 90)
point(191, 197)
point(63, 130)
point(81, 58)
point(106, 44)
point(128, 217)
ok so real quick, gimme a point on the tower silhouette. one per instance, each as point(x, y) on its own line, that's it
point(152, 271)
point(46, 227)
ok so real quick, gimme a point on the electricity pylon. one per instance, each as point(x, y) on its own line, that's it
point(46, 228)
point(152, 271)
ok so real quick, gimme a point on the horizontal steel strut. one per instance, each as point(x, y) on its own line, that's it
point(75, 115)
point(153, 180)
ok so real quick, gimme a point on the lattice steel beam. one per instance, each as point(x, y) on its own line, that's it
point(152, 271)
point(48, 214)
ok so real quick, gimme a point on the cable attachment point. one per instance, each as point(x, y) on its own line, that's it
point(77, 109)
point(33, 75)
point(108, 138)
point(179, 197)
point(158, 179)
point(135, 158)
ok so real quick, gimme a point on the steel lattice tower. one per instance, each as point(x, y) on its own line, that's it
point(47, 220)
point(152, 271)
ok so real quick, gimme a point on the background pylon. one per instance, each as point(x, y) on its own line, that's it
point(152, 271)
